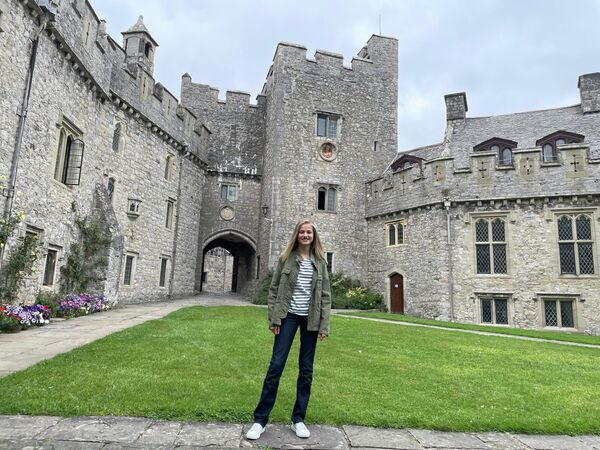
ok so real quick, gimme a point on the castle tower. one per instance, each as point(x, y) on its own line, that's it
point(329, 129)
point(139, 46)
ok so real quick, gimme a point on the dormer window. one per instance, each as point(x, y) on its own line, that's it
point(502, 148)
point(405, 161)
point(551, 142)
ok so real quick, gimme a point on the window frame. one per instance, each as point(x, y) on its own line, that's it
point(48, 280)
point(164, 272)
point(330, 261)
point(397, 225)
point(490, 217)
point(169, 167)
point(551, 140)
point(493, 298)
point(228, 188)
point(170, 214)
point(559, 299)
point(498, 146)
point(128, 279)
point(329, 199)
point(329, 119)
point(65, 168)
point(573, 215)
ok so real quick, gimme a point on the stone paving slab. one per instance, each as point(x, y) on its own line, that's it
point(280, 436)
point(97, 429)
point(554, 442)
point(381, 438)
point(160, 433)
point(210, 434)
point(49, 445)
point(25, 427)
point(448, 440)
point(501, 441)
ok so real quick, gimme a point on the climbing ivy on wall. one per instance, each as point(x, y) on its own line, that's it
point(86, 258)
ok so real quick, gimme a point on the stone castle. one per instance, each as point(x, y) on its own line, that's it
point(497, 224)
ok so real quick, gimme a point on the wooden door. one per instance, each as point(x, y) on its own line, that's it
point(397, 293)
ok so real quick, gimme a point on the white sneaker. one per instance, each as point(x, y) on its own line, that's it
point(255, 432)
point(301, 430)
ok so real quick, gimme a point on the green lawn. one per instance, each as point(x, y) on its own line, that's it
point(207, 364)
point(539, 334)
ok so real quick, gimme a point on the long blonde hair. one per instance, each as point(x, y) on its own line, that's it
point(315, 247)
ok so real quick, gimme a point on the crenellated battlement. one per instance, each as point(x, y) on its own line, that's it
point(380, 51)
point(208, 96)
point(103, 64)
point(574, 173)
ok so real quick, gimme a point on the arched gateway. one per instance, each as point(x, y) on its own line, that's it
point(243, 250)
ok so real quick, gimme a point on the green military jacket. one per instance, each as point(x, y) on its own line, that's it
point(282, 287)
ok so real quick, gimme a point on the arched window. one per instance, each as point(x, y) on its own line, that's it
point(327, 199)
point(69, 156)
point(550, 143)
point(395, 233)
point(148, 49)
point(502, 148)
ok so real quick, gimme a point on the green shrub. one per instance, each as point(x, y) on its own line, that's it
point(263, 289)
point(49, 299)
point(348, 293)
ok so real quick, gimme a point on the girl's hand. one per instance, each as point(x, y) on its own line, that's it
point(322, 336)
point(275, 330)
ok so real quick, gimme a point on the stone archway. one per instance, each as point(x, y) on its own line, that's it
point(240, 269)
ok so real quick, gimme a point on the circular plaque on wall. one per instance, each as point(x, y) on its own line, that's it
point(227, 213)
point(328, 151)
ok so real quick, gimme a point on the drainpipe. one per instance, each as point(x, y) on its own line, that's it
point(176, 231)
point(49, 10)
point(447, 204)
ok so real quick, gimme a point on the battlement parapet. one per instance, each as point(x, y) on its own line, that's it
point(204, 97)
point(380, 51)
point(572, 173)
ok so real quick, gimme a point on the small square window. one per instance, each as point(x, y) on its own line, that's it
point(327, 126)
point(559, 312)
point(229, 192)
point(494, 310)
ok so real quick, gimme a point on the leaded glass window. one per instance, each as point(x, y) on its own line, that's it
point(395, 233)
point(575, 244)
point(494, 310)
point(490, 246)
point(559, 313)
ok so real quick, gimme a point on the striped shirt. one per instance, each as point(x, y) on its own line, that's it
point(302, 290)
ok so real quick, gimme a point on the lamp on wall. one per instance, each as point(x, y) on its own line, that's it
point(265, 210)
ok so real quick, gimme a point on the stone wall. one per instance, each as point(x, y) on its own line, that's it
point(72, 87)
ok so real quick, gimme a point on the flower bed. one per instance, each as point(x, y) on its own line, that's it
point(74, 305)
point(17, 317)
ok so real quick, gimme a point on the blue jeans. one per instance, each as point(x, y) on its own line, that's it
point(281, 349)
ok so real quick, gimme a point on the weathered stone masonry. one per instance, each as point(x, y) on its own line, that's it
point(172, 181)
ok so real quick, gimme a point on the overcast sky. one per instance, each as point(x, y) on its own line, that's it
point(507, 55)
